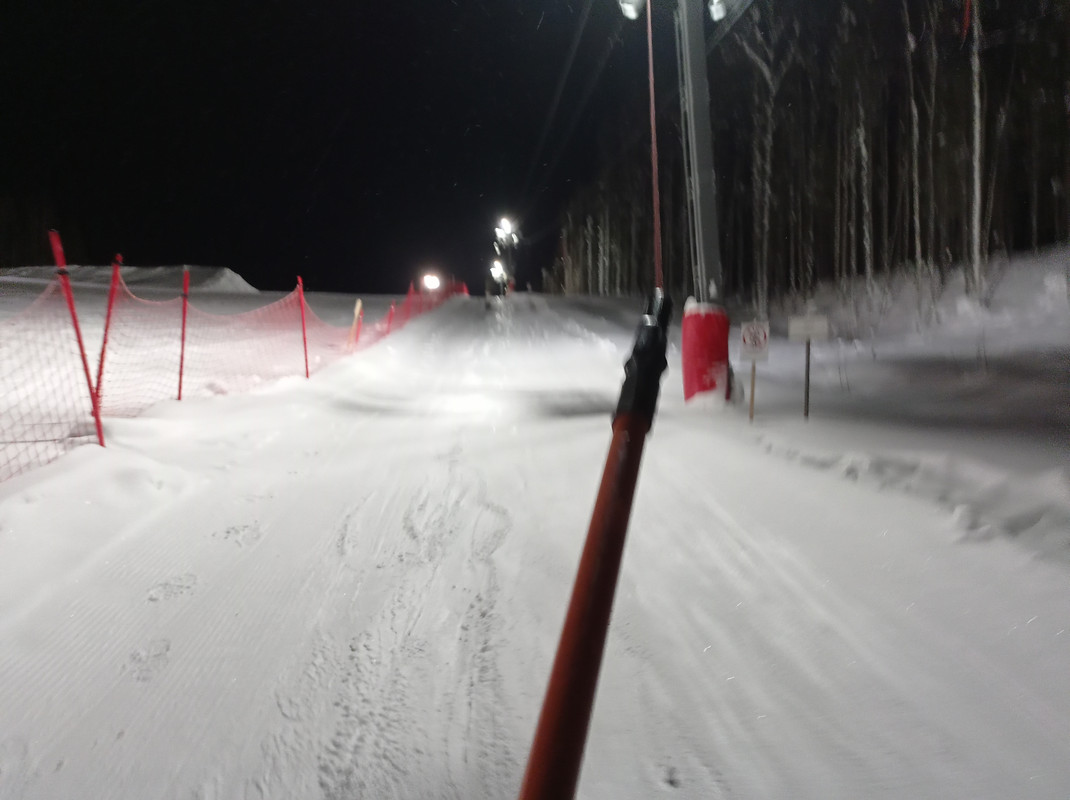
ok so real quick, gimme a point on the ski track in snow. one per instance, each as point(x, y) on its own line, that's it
point(360, 708)
point(361, 599)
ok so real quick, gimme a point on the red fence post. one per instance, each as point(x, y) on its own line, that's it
point(65, 284)
point(182, 347)
point(116, 265)
point(390, 317)
point(304, 330)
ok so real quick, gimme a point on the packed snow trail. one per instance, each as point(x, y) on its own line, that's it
point(352, 587)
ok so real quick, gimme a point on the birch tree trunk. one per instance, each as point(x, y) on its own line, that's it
point(1034, 174)
point(772, 57)
point(977, 269)
point(588, 261)
point(865, 189)
point(915, 148)
point(850, 268)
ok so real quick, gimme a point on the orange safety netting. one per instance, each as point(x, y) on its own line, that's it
point(45, 402)
point(152, 351)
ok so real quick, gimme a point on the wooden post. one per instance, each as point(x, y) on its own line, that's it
point(354, 330)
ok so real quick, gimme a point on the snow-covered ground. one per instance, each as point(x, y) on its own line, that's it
point(352, 587)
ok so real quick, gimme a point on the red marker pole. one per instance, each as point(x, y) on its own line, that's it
point(65, 285)
point(116, 265)
point(185, 314)
point(304, 330)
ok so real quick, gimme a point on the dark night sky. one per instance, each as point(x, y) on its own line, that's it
point(351, 141)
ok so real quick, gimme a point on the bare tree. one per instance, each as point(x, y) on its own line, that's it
point(772, 47)
point(976, 286)
point(915, 157)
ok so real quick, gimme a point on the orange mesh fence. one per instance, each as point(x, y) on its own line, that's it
point(45, 404)
point(238, 352)
point(153, 351)
point(139, 359)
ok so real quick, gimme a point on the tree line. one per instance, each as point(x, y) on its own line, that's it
point(852, 138)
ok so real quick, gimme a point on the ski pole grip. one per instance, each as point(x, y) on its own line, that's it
point(642, 372)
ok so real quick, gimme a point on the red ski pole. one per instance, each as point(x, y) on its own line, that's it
point(557, 752)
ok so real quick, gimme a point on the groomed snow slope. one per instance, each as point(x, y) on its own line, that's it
point(351, 587)
point(206, 279)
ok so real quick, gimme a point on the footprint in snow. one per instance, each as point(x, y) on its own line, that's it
point(147, 661)
point(241, 535)
point(671, 778)
point(173, 587)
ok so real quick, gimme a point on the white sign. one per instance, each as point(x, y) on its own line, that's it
point(813, 327)
point(755, 341)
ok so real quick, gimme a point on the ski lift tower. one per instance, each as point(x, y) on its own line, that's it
point(698, 143)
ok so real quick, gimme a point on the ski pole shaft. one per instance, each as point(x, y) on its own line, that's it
point(557, 751)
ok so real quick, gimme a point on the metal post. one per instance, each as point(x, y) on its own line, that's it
point(696, 99)
point(685, 113)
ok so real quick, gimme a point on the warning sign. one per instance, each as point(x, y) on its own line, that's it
point(811, 327)
point(755, 346)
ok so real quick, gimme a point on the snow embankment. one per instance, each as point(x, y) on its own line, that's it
point(963, 404)
point(982, 501)
point(205, 279)
point(1027, 294)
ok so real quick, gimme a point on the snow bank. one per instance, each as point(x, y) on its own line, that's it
point(207, 279)
point(982, 501)
point(1028, 291)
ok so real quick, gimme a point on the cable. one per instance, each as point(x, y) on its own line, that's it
point(561, 81)
point(582, 104)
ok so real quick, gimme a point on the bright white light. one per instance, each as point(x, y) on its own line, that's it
point(431, 282)
point(632, 8)
point(507, 226)
point(717, 10)
point(497, 271)
point(516, 239)
point(500, 234)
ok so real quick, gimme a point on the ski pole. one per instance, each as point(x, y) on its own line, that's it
point(557, 751)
